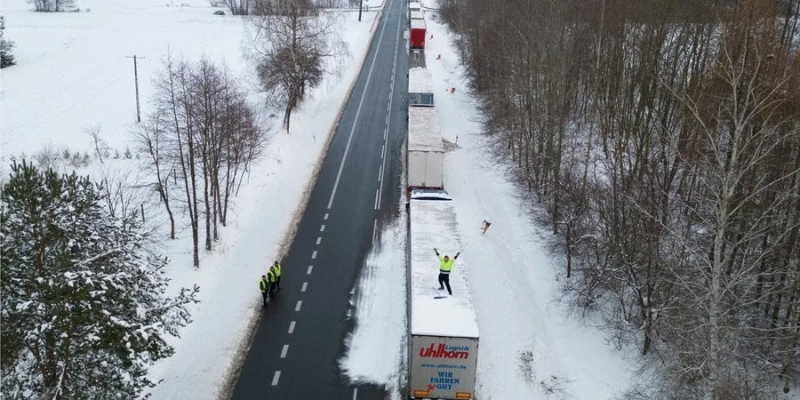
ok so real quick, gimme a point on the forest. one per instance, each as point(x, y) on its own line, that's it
point(662, 140)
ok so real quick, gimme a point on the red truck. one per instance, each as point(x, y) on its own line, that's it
point(417, 34)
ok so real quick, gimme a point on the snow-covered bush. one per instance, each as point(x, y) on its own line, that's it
point(6, 46)
point(84, 310)
point(53, 5)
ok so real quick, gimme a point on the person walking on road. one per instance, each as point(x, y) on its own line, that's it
point(276, 269)
point(271, 278)
point(264, 286)
point(445, 266)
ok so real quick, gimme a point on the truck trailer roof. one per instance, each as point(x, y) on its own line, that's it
point(417, 24)
point(419, 80)
point(433, 224)
point(424, 131)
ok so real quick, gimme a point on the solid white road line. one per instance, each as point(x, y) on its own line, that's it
point(310, 267)
point(374, 230)
point(314, 255)
point(285, 349)
point(291, 327)
point(299, 304)
point(380, 173)
point(377, 193)
point(319, 239)
point(305, 286)
point(322, 228)
point(275, 378)
point(325, 217)
point(355, 393)
point(355, 120)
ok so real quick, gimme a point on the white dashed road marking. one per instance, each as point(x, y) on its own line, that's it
point(319, 239)
point(322, 228)
point(299, 304)
point(310, 267)
point(305, 286)
point(285, 349)
point(314, 255)
point(291, 327)
point(275, 378)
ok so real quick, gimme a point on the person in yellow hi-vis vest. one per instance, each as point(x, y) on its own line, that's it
point(263, 284)
point(276, 269)
point(271, 278)
point(445, 266)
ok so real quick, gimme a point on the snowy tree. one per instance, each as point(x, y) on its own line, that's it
point(293, 40)
point(52, 5)
point(84, 305)
point(6, 46)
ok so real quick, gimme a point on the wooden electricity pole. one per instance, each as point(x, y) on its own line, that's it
point(136, 81)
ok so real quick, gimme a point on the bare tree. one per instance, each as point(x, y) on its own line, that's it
point(99, 145)
point(175, 98)
point(741, 115)
point(120, 192)
point(238, 7)
point(152, 138)
point(294, 43)
point(205, 134)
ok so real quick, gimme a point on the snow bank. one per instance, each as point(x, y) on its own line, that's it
point(380, 314)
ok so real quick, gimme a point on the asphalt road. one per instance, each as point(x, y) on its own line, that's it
point(300, 337)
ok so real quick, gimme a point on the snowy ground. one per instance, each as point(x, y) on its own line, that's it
point(72, 74)
point(380, 314)
point(531, 347)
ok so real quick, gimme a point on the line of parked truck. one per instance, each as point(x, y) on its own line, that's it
point(443, 330)
point(417, 28)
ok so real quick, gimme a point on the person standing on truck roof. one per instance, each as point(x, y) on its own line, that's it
point(445, 266)
point(264, 286)
point(276, 269)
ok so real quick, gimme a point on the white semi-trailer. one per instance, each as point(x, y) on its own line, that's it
point(425, 166)
point(443, 330)
point(420, 87)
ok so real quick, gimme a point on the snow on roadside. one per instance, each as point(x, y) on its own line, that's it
point(376, 347)
point(530, 347)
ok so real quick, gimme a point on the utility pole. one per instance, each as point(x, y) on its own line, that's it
point(136, 80)
point(360, 7)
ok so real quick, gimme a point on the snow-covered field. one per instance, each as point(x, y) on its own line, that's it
point(72, 74)
point(531, 346)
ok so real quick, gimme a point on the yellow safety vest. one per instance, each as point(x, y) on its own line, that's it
point(271, 276)
point(276, 268)
point(263, 285)
point(446, 266)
